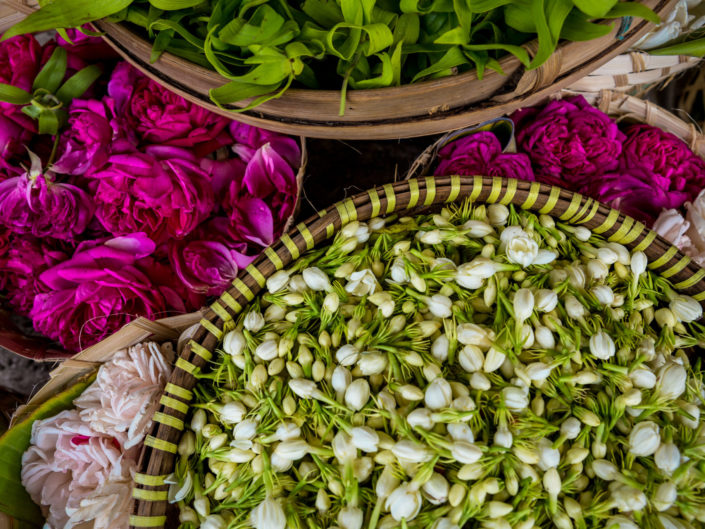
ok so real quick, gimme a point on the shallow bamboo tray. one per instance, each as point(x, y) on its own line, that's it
point(408, 197)
point(420, 109)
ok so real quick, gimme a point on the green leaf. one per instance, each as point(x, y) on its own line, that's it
point(237, 91)
point(14, 500)
point(578, 28)
point(66, 14)
point(694, 48)
point(76, 85)
point(385, 77)
point(173, 5)
point(633, 9)
point(50, 77)
point(452, 58)
point(49, 122)
point(14, 95)
point(519, 52)
point(595, 8)
point(326, 13)
point(407, 29)
point(518, 15)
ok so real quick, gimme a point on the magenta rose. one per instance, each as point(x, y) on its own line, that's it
point(481, 154)
point(635, 192)
point(569, 141)
point(260, 204)
point(249, 139)
point(162, 197)
point(85, 143)
point(21, 264)
point(161, 117)
point(35, 203)
point(100, 289)
point(669, 162)
point(208, 261)
point(90, 49)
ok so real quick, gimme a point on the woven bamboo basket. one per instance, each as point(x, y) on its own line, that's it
point(71, 374)
point(420, 109)
point(633, 72)
point(616, 104)
point(408, 197)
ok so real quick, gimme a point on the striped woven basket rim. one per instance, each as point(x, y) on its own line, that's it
point(407, 197)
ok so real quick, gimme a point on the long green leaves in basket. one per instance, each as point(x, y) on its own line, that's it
point(265, 46)
point(14, 500)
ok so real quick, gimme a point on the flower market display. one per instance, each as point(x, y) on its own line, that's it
point(480, 367)
point(80, 463)
point(264, 49)
point(119, 198)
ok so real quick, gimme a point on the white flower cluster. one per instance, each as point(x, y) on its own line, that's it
point(476, 366)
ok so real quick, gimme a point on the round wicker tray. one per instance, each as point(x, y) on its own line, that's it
point(412, 110)
point(157, 458)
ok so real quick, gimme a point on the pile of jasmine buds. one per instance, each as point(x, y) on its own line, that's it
point(477, 368)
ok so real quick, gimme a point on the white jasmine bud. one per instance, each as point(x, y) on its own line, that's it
point(331, 302)
point(253, 322)
point(350, 517)
point(515, 399)
point(268, 515)
point(372, 363)
point(582, 233)
point(267, 350)
point(628, 499)
point(573, 307)
point(570, 428)
point(316, 279)
point(296, 285)
point(410, 392)
point(386, 483)
point(471, 358)
point(631, 397)
point(357, 394)
point(597, 270)
point(232, 413)
point(341, 379)
point(460, 431)
point(440, 348)
point(411, 452)
point(480, 382)
point(621, 522)
point(364, 438)
point(686, 309)
point(576, 276)
point(465, 452)
point(428, 327)
point(602, 346)
point(245, 430)
point(473, 334)
point(586, 378)
point(665, 496)
point(643, 378)
point(398, 271)
point(549, 457)
point(544, 337)
point(671, 381)
point(347, 355)
point(303, 388)
point(552, 482)
point(607, 255)
point(187, 444)
point(440, 306)
point(431, 372)
point(693, 420)
point(293, 449)
point(644, 439)
point(234, 343)
point(576, 455)
point(668, 458)
point(523, 304)
point(497, 214)
point(188, 515)
point(503, 437)
point(603, 294)
point(421, 418)
point(404, 503)
point(471, 472)
point(213, 521)
point(493, 360)
point(526, 455)
point(322, 501)
point(438, 394)
point(198, 421)
point(277, 281)
point(546, 300)
point(572, 508)
point(430, 237)
point(498, 509)
point(436, 489)
point(605, 470)
point(538, 371)
point(665, 318)
point(638, 264)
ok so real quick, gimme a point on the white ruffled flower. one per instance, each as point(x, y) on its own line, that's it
point(362, 283)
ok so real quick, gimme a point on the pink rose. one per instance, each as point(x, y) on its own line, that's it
point(161, 117)
point(260, 204)
point(85, 143)
point(90, 49)
point(481, 154)
point(162, 197)
point(669, 162)
point(208, 261)
point(249, 139)
point(100, 289)
point(21, 264)
point(34, 203)
point(569, 141)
